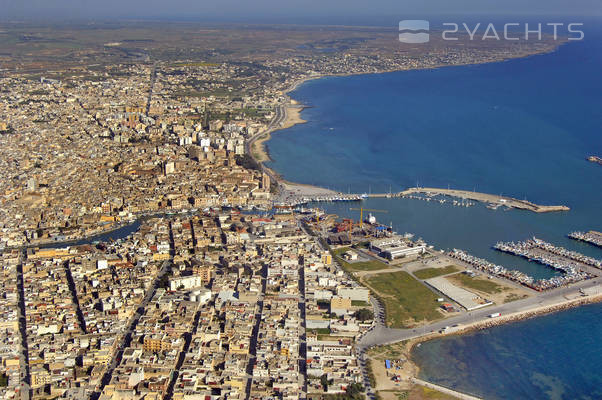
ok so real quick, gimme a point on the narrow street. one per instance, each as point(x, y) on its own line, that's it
point(126, 336)
point(25, 390)
point(255, 334)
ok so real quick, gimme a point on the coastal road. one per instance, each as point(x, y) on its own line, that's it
point(274, 124)
point(381, 335)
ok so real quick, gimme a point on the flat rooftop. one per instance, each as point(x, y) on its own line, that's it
point(468, 300)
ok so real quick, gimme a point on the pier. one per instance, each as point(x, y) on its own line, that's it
point(591, 237)
point(476, 196)
point(302, 194)
point(545, 253)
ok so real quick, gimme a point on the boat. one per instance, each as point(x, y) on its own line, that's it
point(595, 159)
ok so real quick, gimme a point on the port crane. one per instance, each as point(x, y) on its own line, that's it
point(362, 209)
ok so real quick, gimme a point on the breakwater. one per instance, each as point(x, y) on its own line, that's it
point(493, 200)
point(591, 237)
point(547, 254)
point(571, 276)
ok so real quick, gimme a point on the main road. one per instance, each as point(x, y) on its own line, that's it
point(126, 336)
point(25, 376)
point(274, 124)
point(381, 335)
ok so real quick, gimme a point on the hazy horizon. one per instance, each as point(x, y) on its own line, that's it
point(272, 11)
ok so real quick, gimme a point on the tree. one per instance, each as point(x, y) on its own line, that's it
point(364, 314)
point(354, 391)
point(324, 382)
point(247, 162)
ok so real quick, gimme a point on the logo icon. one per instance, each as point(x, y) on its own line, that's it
point(414, 31)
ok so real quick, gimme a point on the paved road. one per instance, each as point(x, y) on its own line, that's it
point(126, 336)
point(25, 377)
point(303, 342)
point(255, 334)
point(153, 78)
point(182, 356)
point(379, 321)
point(273, 125)
point(382, 335)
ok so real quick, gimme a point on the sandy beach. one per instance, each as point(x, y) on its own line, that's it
point(292, 117)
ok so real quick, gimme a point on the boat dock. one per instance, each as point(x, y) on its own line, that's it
point(573, 265)
point(465, 197)
point(571, 275)
point(591, 237)
point(492, 199)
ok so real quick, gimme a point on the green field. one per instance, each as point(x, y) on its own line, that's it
point(407, 301)
point(427, 273)
point(357, 266)
point(480, 284)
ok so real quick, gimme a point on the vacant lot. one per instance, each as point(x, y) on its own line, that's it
point(407, 301)
point(480, 284)
point(428, 273)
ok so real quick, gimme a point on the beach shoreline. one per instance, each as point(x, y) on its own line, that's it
point(292, 117)
point(257, 147)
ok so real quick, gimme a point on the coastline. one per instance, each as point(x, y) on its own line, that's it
point(534, 312)
point(292, 117)
point(257, 147)
point(403, 350)
point(413, 370)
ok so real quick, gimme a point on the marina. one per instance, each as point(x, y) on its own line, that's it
point(571, 275)
point(437, 199)
point(591, 237)
point(496, 165)
point(494, 201)
point(457, 198)
point(561, 259)
point(321, 198)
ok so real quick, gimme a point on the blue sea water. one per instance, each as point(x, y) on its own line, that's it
point(520, 128)
point(551, 357)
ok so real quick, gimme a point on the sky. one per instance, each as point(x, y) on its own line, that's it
point(285, 10)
